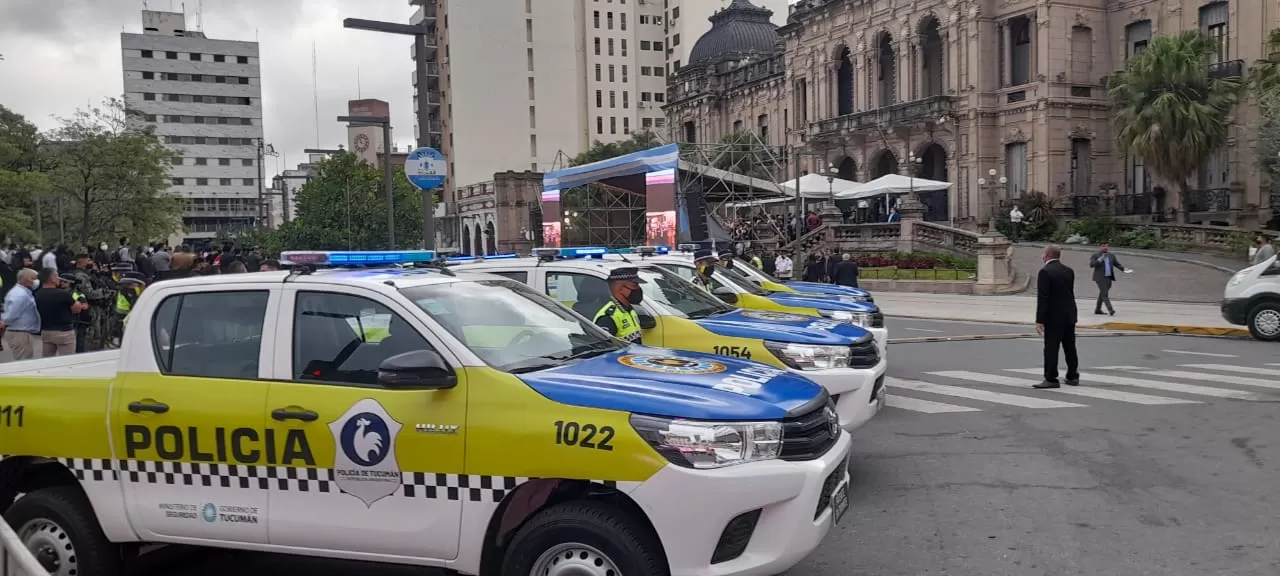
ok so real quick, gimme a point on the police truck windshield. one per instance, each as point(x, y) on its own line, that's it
point(737, 279)
point(677, 296)
point(510, 326)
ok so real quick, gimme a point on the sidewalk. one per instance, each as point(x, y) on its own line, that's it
point(1156, 278)
point(1166, 317)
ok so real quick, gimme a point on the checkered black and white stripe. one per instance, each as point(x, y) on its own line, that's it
point(282, 478)
point(91, 469)
point(458, 486)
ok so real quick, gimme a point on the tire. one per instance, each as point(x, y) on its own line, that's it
point(62, 514)
point(1264, 322)
point(581, 526)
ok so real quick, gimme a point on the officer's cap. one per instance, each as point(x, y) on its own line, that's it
point(726, 253)
point(135, 276)
point(701, 255)
point(625, 274)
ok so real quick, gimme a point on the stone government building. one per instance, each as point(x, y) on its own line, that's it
point(953, 89)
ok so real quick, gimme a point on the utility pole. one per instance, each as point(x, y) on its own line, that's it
point(385, 123)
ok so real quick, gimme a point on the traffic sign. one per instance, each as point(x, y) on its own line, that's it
point(426, 168)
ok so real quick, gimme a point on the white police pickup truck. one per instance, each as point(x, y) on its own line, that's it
point(416, 416)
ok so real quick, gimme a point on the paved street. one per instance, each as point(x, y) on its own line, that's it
point(1154, 278)
point(1163, 463)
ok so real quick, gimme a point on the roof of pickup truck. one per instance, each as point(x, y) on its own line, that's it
point(528, 262)
point(402, 277)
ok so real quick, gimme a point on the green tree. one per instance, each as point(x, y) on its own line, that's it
point(1169, 111)
point(346, 208)
point(601, 151)
point(743, 153)
point(20, 179)
point(113, 173)
point(1264, 76)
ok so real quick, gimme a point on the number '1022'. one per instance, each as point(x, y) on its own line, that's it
point(584, 435)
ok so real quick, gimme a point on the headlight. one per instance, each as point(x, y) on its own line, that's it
point(703, 445)
point(809, 356)
point(1236, 280)
point(863, 319)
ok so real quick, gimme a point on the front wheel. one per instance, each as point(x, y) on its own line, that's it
point(583, 539)
point(60, 529)
point(1264, 322)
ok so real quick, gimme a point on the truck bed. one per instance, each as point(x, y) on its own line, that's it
point(88, 365)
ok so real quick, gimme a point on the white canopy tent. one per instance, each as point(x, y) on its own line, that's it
point(815, 186)
point(891, 184)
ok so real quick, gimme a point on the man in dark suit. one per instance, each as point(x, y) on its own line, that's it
point(1056, 317)
point(1104, 266)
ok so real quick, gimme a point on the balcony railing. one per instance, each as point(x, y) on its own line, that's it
point(916, 111)
point(1212, 200)
point(1226, 69)
point(1121, 205)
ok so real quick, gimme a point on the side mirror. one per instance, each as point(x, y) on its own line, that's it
point(647, 322)
point(757, 282)
point(420, 369)
point(726, 294)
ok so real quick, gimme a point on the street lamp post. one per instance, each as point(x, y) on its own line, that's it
point(991, 186)
point(419, 33)
point(385, 123)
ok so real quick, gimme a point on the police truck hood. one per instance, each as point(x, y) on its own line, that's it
point(820, 288)
point(676, 384)
point(821, 302)
point(782, 327)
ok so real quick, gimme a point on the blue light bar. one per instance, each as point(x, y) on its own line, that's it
point(579, 252)
point(651, 250)
point(348, 258)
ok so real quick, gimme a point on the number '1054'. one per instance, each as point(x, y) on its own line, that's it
point(11, 416)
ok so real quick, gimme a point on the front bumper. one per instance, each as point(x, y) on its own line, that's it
point(857, 392)
point(1236, 311)
point(787, 494)
point(882, 340)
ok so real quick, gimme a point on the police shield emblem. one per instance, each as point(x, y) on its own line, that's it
point(364, 440)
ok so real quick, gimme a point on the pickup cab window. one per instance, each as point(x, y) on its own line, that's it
point(210, 334)
point(342, 339)
point(510, 326)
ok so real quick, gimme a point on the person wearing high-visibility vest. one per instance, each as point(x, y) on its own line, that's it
point(705, 261)
point(618, 317)
point(128, 289)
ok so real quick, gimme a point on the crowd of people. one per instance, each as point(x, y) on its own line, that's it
point(77, 300)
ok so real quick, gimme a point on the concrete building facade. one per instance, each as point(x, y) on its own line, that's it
point(204, 97)
point(1000, 98)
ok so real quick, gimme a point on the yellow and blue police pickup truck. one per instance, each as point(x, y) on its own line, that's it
point(735, 288)
point(674, 313)
point(366, 406)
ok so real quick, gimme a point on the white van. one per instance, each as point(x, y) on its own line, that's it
point(1252, 299)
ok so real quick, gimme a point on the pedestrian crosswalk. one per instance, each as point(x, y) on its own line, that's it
point(959, 391)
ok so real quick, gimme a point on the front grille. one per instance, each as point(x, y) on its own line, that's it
point(876, 390)
point(737, 534)
point(808, 436)
point(864, 354)
point(828, 488)
point(877, 319)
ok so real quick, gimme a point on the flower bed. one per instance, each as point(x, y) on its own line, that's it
point(916, 266)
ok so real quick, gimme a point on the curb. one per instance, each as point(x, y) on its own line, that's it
point(976, 337)
point(1137, 254)
point(1172, 329)
point(966, 320)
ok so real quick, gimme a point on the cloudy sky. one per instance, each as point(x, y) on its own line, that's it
point(60, 55)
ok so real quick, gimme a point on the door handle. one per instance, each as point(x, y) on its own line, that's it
point(302, 414)
point(138, 407)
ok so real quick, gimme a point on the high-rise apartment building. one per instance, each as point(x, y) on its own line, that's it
point(520, 81)
point(687, 20)
point(204, 97)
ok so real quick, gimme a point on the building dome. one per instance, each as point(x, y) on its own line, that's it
point(740, 30)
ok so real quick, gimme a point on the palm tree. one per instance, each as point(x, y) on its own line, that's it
point(1168, 109)
point(1265, 75)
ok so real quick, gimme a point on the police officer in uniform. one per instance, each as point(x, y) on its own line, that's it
point(618, 317)
point(705, 261)
point(726, 258)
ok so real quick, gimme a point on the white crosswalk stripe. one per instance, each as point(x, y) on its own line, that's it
point(926, 406)
point(1156, 385)
point(1085, 391)
point(1219, 378)
point(1103, 384)
point(1237, 369)
point(983, 395)
point(1194, 353)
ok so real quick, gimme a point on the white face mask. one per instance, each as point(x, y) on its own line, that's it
point(102, 246)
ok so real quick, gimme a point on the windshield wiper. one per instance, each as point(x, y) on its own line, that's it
point(536, 366)
point(602, 347)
